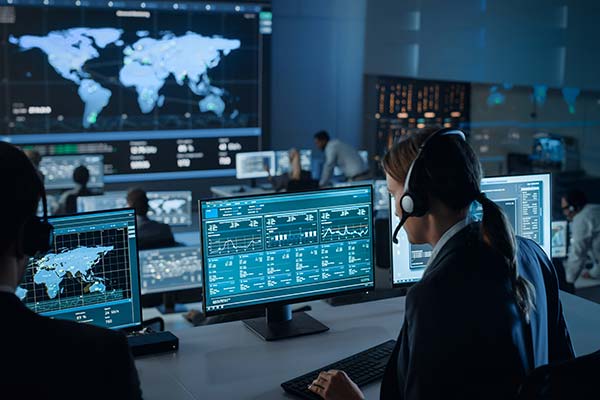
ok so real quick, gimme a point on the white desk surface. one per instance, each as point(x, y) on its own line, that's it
point(227, 361)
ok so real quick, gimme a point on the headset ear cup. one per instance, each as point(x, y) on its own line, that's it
point(407, 204)
point(36, 237)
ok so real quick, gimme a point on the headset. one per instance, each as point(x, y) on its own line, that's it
point(38, 233)
point(413, 202)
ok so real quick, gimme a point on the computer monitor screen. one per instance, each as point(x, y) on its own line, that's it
point(284, 248)
point(164, 90)
point(91, 273)
point(380, 192)
point(282, 161)
point(258, 164)
point(559, 239)
point(170, 269)
point(548, 150)
point(525, 200)
point(107, 201)
point(171, 207)
point(337, 171)
point(58, 170)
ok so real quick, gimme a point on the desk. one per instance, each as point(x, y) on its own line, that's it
point(234, 190)
point(227, 361)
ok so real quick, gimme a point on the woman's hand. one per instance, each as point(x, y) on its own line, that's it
point(334, 385)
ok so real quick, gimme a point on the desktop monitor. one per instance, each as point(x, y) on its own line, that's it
point(58, 170)
point(381, 194)
point(282, 161)
point(170, 269)
point(560, 239)
point(107, 201)
point(525, 200)
point(277, 249)
point(549, 150)
point(170, 207)
point(91, 273)
point(258, 164)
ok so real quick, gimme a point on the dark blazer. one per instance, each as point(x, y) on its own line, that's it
point(463, 336)
point(45, 358)
point(153, 234)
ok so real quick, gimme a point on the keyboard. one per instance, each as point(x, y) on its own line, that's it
point(363, 368)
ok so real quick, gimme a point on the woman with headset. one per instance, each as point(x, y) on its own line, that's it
point(486, 311)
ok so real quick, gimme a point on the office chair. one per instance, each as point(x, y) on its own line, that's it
point(299, 186)
point(574, 380)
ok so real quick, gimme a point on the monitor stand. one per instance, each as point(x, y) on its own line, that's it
point(169, 305)
point(279, 324)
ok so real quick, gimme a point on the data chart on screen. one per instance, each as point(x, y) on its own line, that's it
point(281, 247)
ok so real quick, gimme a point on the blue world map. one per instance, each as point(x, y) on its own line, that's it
point(146, 65)
point(53, 268)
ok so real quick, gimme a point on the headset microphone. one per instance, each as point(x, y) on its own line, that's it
point(413, 202)
point(397, 230)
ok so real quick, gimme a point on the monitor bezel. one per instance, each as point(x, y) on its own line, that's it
point(138, 325)
point(289, 301)
point(410, 284)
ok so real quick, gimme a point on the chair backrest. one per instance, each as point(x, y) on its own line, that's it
point(300, 185)
point(574, 379)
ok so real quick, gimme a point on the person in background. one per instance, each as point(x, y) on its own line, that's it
point(150, 234)
point(67, 204)
point(48, 358)
point(584, 247)
point(342, 155)
point(35, 158)
point(487, 310)
point(296, 178)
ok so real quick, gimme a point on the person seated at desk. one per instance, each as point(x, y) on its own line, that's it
point(36, 159)
point(47, 358)
point(342, 155)
point(474, 326)
point(150, 234)
point(584, 247)
point(67, 204)
point(296, 178)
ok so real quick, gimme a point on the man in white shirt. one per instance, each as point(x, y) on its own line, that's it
point(584, 246)
point(342, 155)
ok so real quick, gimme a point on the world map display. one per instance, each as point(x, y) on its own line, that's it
point(146, 65)
point(50, 270)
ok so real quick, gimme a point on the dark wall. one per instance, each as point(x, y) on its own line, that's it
point(523, 45)
point(318, 56)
